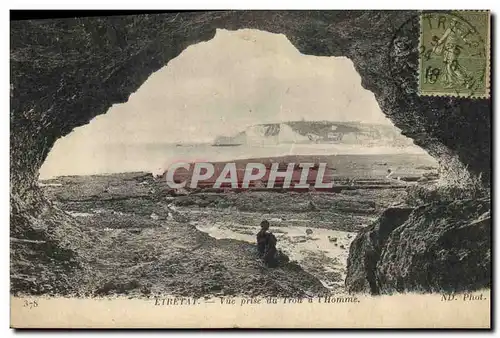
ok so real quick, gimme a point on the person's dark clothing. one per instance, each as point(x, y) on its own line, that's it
point(266, 244)
point(262, 241)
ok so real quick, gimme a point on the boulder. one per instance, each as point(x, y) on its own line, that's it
point(366, 248)
point(439, 247)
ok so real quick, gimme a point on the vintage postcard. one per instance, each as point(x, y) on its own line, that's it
point(251, 169)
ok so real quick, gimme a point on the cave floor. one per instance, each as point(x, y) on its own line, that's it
point(142, 240)
point(148, 243)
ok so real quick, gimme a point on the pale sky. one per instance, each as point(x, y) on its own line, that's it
point(237, 79)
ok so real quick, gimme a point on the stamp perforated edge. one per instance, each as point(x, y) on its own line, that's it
point(486, 95)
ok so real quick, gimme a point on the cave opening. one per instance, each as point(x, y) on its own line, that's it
point(65, 72)
point(248, 89)
point(245, 94)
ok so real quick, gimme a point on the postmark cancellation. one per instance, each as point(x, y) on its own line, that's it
point(454, 54)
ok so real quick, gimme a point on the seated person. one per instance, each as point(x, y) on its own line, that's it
point(266, 242)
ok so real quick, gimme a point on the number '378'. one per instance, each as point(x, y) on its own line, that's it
point(30, 304)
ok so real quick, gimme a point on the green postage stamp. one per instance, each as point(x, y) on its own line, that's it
point(454, 54)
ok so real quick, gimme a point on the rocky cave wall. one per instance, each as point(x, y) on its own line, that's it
point(64, 72)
